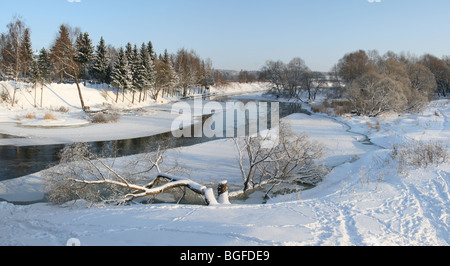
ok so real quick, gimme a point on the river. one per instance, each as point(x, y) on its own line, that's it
point(17, 161)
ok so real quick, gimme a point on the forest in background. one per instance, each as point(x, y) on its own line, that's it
point(369, 83)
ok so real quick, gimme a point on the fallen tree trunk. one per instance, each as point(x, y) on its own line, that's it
point(175, 181)
point(149, 189)
point(89, 171)
point(222, 190)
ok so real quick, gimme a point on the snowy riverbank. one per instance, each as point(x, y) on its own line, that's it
point(29, 126)
point(363, 201)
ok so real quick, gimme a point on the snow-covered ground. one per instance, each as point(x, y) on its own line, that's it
point(364, 200)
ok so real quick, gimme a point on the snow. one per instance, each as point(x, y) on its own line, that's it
point(364, 200)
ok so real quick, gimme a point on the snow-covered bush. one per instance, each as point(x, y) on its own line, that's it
point(4, 96)
point(419, 154)
point(61, 109)
point(103, 118)
point(337, 107)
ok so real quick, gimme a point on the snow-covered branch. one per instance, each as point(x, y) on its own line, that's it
point(87, 175)
point(263, 160)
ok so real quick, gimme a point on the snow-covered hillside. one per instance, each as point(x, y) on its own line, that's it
point(97, 96)
point(364, 200)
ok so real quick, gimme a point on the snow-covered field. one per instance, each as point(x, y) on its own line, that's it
point(364, 200)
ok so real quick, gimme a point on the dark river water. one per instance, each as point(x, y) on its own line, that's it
point(17, 161)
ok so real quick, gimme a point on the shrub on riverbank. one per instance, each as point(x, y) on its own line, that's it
point(420, 154)
point(103, 118)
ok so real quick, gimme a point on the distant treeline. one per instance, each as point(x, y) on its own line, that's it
point(371, 82)
point(73, 58)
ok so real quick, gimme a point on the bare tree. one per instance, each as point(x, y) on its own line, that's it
point(354, 65)
point(246, 76)
point(187, 64)
point(441, 72)
point(219, 79)
point(373, 94)
point(165, 80)
point(273, 72)
point(275, 157)
point(421, 78)
point(391, 82)
point(291, 79)
point(319, 81)
point(337, 85)
point(297, 76)
point(423, 84)
point(312, 82)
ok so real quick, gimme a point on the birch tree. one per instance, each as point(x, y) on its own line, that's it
point(11, 50)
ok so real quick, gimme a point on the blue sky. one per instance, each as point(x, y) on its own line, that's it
point(243, 34)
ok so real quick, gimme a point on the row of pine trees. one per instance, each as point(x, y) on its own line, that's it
point(73, 58)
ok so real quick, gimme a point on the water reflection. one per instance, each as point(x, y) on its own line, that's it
point(6, 136)
point(20, 161)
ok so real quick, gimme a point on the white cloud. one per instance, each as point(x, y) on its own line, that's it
point(74, 1)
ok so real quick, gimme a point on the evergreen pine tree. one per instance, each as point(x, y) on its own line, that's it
point(26, 52)
point(151, 52)
point(44, 65)
point(165, 57)
point(121, 76)
point(100, 62)
point(61, 51)
point(44, 68)
point(138, 72)
point(150, 72)
point(129, 52)
point(84, 52)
